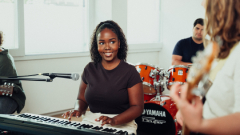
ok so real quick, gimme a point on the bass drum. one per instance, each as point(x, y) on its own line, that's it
point(158, 118)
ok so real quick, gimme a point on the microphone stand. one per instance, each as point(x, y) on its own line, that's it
point(27, 79)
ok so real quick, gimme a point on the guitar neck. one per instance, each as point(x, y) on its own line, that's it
point(201, 66)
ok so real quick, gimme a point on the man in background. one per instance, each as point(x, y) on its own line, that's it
point(186, 48)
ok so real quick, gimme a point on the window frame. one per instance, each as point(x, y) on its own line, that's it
point(119, 14)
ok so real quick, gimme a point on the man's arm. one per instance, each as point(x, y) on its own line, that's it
point(177, 60)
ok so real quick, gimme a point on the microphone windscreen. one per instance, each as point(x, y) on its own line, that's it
point(75, 76)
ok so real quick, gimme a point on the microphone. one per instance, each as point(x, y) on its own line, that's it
point(73, 76)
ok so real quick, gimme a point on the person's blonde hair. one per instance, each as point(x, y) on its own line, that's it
point(222, 20)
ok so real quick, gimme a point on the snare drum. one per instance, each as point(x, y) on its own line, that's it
point(159, 118)
point(177, 73)
point(148, 73)
point(149, 92)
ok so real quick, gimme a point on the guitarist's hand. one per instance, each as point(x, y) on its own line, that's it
point(72, 113)
point(179, 118)
point(191, 113)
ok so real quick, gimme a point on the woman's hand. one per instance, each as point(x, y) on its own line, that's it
point(191, 112)
point(106, 120)
point(72, 113)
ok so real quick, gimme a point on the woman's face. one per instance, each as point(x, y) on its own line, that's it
point(108, 44)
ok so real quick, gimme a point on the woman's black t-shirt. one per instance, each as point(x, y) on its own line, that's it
point(107, 90)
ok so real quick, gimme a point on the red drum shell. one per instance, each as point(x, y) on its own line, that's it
point(149, 92)
point(177, 73)
point(144, 70)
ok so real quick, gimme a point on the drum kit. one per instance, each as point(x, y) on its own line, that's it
point(159, 115)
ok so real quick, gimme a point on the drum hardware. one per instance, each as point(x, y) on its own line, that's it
point(153, 73)
point(162, 104)
point(162, 73)
point(162, 88)
point(150, 75)
point(158, 96)
point(158, 84)
point(148, 84)
point(138, 69)
point(166, 74)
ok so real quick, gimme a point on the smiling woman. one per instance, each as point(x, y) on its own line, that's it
point(108, 45)
point(110, 87)
point(116, 35)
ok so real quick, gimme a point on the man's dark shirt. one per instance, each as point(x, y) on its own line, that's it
point(187, 48)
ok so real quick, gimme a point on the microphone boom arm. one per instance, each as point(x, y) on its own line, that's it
point(27, 79)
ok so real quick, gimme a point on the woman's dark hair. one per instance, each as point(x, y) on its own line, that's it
point(122, 51)
point(1, 38)
point(223, 20)
point(198, 21)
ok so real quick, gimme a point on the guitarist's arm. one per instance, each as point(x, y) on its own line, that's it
point(192, 115)
point(222, 125)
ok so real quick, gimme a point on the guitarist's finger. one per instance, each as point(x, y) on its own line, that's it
point(183, 97)
point(174, 92)
point(198, 103)
point(184, 92)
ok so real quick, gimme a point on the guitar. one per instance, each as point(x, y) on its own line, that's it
point(6, 89)
point(199, 72)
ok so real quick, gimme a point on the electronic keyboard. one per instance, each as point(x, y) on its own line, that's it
point(44, 125)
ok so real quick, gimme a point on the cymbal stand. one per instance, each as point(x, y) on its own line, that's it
point(157, 85)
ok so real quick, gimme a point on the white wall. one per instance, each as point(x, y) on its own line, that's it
point(178, 17)
point(45, 97)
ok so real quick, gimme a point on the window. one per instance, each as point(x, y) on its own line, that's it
point(44, 26)
point(34, 27)
point(8, 25)
point(143, 21)
point(54, 26)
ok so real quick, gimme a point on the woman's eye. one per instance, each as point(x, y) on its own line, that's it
point(101, 43)
point(112, 42)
